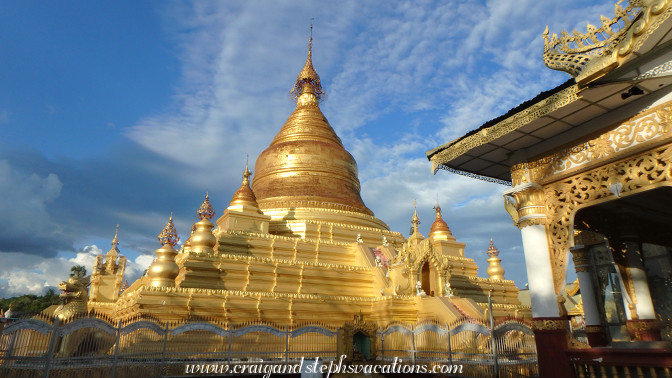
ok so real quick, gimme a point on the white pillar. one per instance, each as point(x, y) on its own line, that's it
point(539, 273)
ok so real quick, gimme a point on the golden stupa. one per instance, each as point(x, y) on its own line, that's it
point(299, 245)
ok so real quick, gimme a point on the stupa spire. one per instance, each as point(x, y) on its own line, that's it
point(415, 221)
point(113, 253)
point(439, 229)
point(163, 270)
point(201, 239)
point(495, 270)
point(169, 235)
point(115, 242)
point(206, 210)
point(306, 165)
point(244, 194)
point(308, 80)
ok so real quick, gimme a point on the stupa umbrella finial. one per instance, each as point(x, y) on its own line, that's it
point(169, 234)
point(308, 79)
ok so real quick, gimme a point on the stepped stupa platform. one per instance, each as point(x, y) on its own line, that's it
point(298, 245)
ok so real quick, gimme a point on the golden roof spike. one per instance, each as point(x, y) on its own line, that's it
point(206, 210)
point(169, 234)
point(495, 270)
point(439, 228)
point(111, 255)
point(115, 241)
point(244, 193)
point(415, 221)
point(308, 79)
point(246, 175)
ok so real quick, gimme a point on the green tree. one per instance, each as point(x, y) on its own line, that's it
point(29, 304)
point(78, 270)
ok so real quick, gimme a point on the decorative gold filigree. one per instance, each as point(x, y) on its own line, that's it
point(564, 198)
point(206, 210)
point(571, 52)
point(651, 126)
point(525, 205)
point(590, 55)
point(452, 150)
point(169, 234)
point(531, 222)
point(550, 324)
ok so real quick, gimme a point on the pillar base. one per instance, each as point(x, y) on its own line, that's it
point(644, 329)
point(551, 336)
point(597, 336)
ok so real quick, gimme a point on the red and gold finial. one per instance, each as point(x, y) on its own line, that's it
point(206, 210)
point(308, 79)
point(169, 234)
point(492, 250)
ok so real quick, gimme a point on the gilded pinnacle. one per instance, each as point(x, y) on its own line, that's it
point(439, 228)
point(492, 250)
point(246, 175)
point(206, 210)
point(115, 242)
point(308, 76)
point(169, 234)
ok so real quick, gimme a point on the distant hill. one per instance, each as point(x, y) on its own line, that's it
point(30, 303)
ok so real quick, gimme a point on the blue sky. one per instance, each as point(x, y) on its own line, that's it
point(121, 112)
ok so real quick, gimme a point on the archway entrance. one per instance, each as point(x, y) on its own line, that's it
point(361, 347)
point(428, 279)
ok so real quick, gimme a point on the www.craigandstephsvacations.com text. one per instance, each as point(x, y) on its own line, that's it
point(316, 366)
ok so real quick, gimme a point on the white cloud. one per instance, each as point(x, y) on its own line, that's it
point(24, 219)
point(25, 274)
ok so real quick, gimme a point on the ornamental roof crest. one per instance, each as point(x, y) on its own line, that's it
point(590, 55)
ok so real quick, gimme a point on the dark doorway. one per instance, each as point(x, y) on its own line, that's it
point(361, 347)
point(425, 278)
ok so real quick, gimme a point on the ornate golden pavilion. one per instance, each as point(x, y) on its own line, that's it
point(300, 245)
point(590, 168)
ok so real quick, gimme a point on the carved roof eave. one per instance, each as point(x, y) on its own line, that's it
point(518, 117)
point(587, 58)
point(640, 27)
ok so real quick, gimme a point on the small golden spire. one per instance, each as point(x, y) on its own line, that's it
point(206, 210)
point(246, 175)
point(495, 270)
point(439, 228)
point(115, 242)
point(113, 253)
point(169, 234)
point(201, 239)
point(415, 221)
point(308, 77)
point(244, 194)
